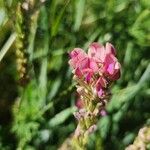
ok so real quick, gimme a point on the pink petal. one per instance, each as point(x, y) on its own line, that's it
point(93, 66)
point(88, 77)
point(117, 65)
point(110, 69)
point(110, 49)
point(76, 56)
point(84, 63)
point(109, 59)
point(78, 72)
point(73, 62)
point(100, 92)
point(96, 51)
point(75, 52)
point(94, 48)
point(116, 76)
point(102, 81)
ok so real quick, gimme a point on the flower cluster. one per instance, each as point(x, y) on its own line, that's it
point(98, 67)
point(94, 72)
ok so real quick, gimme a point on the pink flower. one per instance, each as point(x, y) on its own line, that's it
point(76, 56)
point(111, 67)
point(106, 56)
point(86, 68)
point(100, 60)
point(99, 88)
point(82, 64)
point(94, 72)
point(99, 52)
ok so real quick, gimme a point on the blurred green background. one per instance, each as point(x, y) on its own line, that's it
point(40, 115)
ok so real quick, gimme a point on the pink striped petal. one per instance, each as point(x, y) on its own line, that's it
point(97, 51)
point(110, 49)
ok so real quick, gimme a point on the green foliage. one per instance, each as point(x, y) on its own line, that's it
point(139, 29)
point(40, 115)
point(26, 115)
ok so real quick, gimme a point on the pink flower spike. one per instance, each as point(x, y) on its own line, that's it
point(110, 49)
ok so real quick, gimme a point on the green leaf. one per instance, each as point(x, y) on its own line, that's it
point(140, 28)
point(61, 117)
point(104, 126)
point(7, 45)
point(79, 11)
point(2, 16)
point(57, 21)
point(126, 94)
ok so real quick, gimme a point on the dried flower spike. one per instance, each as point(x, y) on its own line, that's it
point(94, 72)
point(21, 45)
point(142, 140)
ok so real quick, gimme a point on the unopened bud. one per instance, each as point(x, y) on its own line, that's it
point(92, 129)
point(80, 90)
point(25, 6)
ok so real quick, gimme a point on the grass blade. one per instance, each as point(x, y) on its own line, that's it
point(7, 45)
